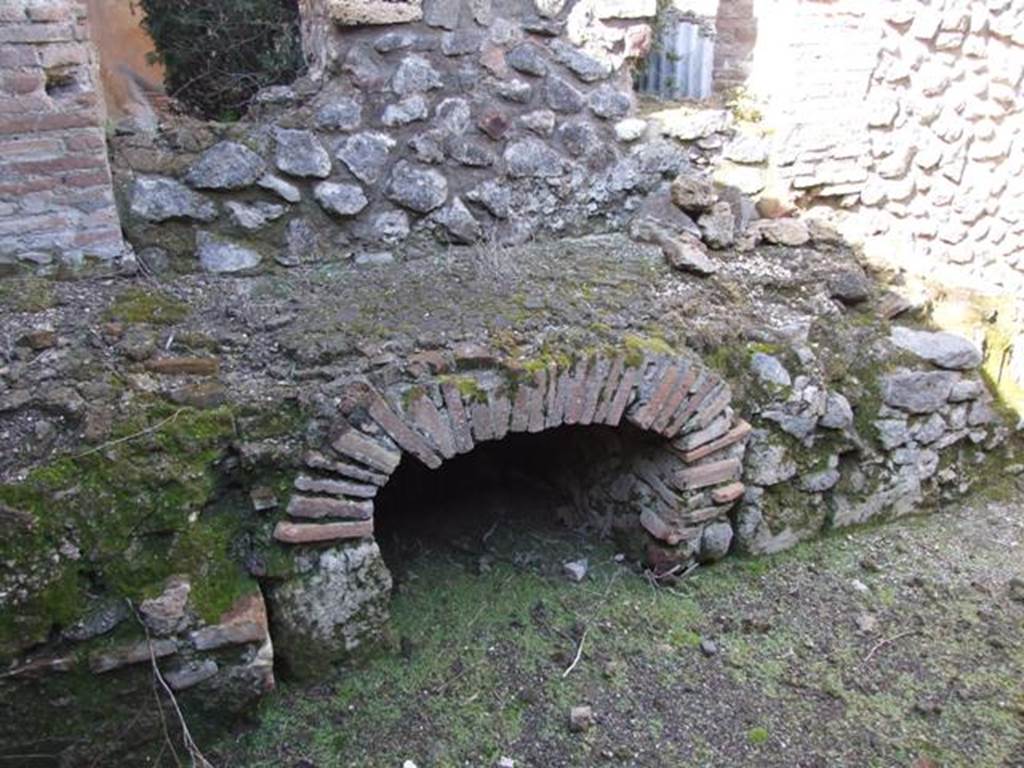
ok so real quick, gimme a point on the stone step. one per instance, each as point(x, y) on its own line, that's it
point(335, 487)
point(315, 460)
point(359, 447)
point(315, 533)
point(316, 507)
point(705, 475)
point(740, 432)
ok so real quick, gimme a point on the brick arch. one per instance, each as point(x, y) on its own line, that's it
point(434, 414)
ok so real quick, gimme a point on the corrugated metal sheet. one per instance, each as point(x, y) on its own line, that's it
point(681, 66)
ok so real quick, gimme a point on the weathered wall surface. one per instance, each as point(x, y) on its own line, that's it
point(56, 201)
point(127, 71)
point(230, 437)
point(914, 126)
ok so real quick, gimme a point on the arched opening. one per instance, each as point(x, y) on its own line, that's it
point(648, 452)
point(562, 482)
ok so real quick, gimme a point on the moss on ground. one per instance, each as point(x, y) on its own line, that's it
point(476, 668)
point(139, 305)
point(27, 294)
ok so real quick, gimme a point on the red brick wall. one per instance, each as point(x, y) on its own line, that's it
point(56, 198)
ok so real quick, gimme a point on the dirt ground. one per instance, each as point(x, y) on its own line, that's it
point(899, 645)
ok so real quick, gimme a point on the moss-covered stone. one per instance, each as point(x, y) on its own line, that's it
point(469, 388)
point(149, 503)
point(162, 496)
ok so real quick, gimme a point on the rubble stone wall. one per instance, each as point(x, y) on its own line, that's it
point(458, 121)
point(56, 200)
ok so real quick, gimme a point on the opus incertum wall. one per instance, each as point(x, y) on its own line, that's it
point(679, 489)
point(452, 121)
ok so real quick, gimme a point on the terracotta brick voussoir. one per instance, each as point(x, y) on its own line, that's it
point(433, 423)
point(457, 417)
point(704, 475)
point(644, 414)
point(316, 507)
point(400, 432)
point(740, 432)
point(317, 533)
point(356, 446)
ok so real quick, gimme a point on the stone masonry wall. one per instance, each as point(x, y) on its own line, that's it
point(914, 127)
point(457, 121)
point(56, 199)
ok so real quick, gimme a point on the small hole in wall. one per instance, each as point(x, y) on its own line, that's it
point(680, 64)
point(62, 82)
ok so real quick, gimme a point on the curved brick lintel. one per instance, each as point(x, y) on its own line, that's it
point(436, 417)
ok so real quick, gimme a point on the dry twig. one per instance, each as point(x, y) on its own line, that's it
point(579, 654)
point(133, 436)
point(887, 641)
point(198, 759)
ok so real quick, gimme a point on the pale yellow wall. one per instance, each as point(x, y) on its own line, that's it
point(123, 46)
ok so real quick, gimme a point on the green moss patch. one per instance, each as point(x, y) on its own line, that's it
point(148, 504)
point(27, 294)
point(138, 305)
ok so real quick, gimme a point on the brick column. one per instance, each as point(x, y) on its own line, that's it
point(736, 28)
point(56, 196)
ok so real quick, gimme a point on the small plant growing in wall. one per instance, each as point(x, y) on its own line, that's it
point(219, 53)
point(743, 105)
